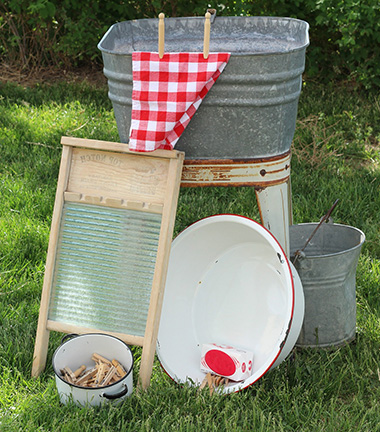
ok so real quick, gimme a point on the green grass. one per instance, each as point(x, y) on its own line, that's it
point(336, 154)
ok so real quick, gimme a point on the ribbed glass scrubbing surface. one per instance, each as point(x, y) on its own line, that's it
point(104, 268)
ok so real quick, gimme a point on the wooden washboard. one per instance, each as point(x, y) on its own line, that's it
point(109, 245)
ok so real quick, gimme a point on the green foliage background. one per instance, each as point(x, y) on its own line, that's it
point(345, 34)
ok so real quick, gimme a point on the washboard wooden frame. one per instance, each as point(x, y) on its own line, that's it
point(107, 175)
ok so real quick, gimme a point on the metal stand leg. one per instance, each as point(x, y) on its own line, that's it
point(275, 211)
point(269, 176)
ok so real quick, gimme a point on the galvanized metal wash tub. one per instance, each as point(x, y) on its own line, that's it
point(328, 271)
point(251, 112)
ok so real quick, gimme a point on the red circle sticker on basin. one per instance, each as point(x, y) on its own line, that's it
point(220, 362)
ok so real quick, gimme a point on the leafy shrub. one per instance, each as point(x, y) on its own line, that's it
point(29, 34)
point(356, 27)
point(55, 32)
point(345, 34)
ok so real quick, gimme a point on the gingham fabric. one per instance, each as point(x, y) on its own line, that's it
point(166, 94)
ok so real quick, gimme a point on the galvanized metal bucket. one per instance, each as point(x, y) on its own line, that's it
point(328, 273)
point(251, 112)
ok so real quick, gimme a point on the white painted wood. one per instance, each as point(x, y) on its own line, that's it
point(275, 211)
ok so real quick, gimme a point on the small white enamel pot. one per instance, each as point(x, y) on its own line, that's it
point(77, 350)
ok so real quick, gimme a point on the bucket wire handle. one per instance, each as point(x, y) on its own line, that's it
point(323, 219)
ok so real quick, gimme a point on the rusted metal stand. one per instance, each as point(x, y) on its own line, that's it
point(269, 176)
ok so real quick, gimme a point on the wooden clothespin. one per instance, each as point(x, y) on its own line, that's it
point(213, 382)
point(161, 35)
point(206, 38)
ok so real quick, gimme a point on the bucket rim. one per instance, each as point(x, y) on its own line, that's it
point(326, 255)
point(300, 22)
point(57, 375)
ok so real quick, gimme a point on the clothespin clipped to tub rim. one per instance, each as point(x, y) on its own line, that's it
point(161, 35)
point(209, 15)
point(206, 36)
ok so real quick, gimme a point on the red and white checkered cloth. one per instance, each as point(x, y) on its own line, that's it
point(166, 94)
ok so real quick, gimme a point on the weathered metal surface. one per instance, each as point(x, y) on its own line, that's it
point(270, 177)
point(223, 172)
point(328, 272)
point(251, 111)
point(242, 132)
